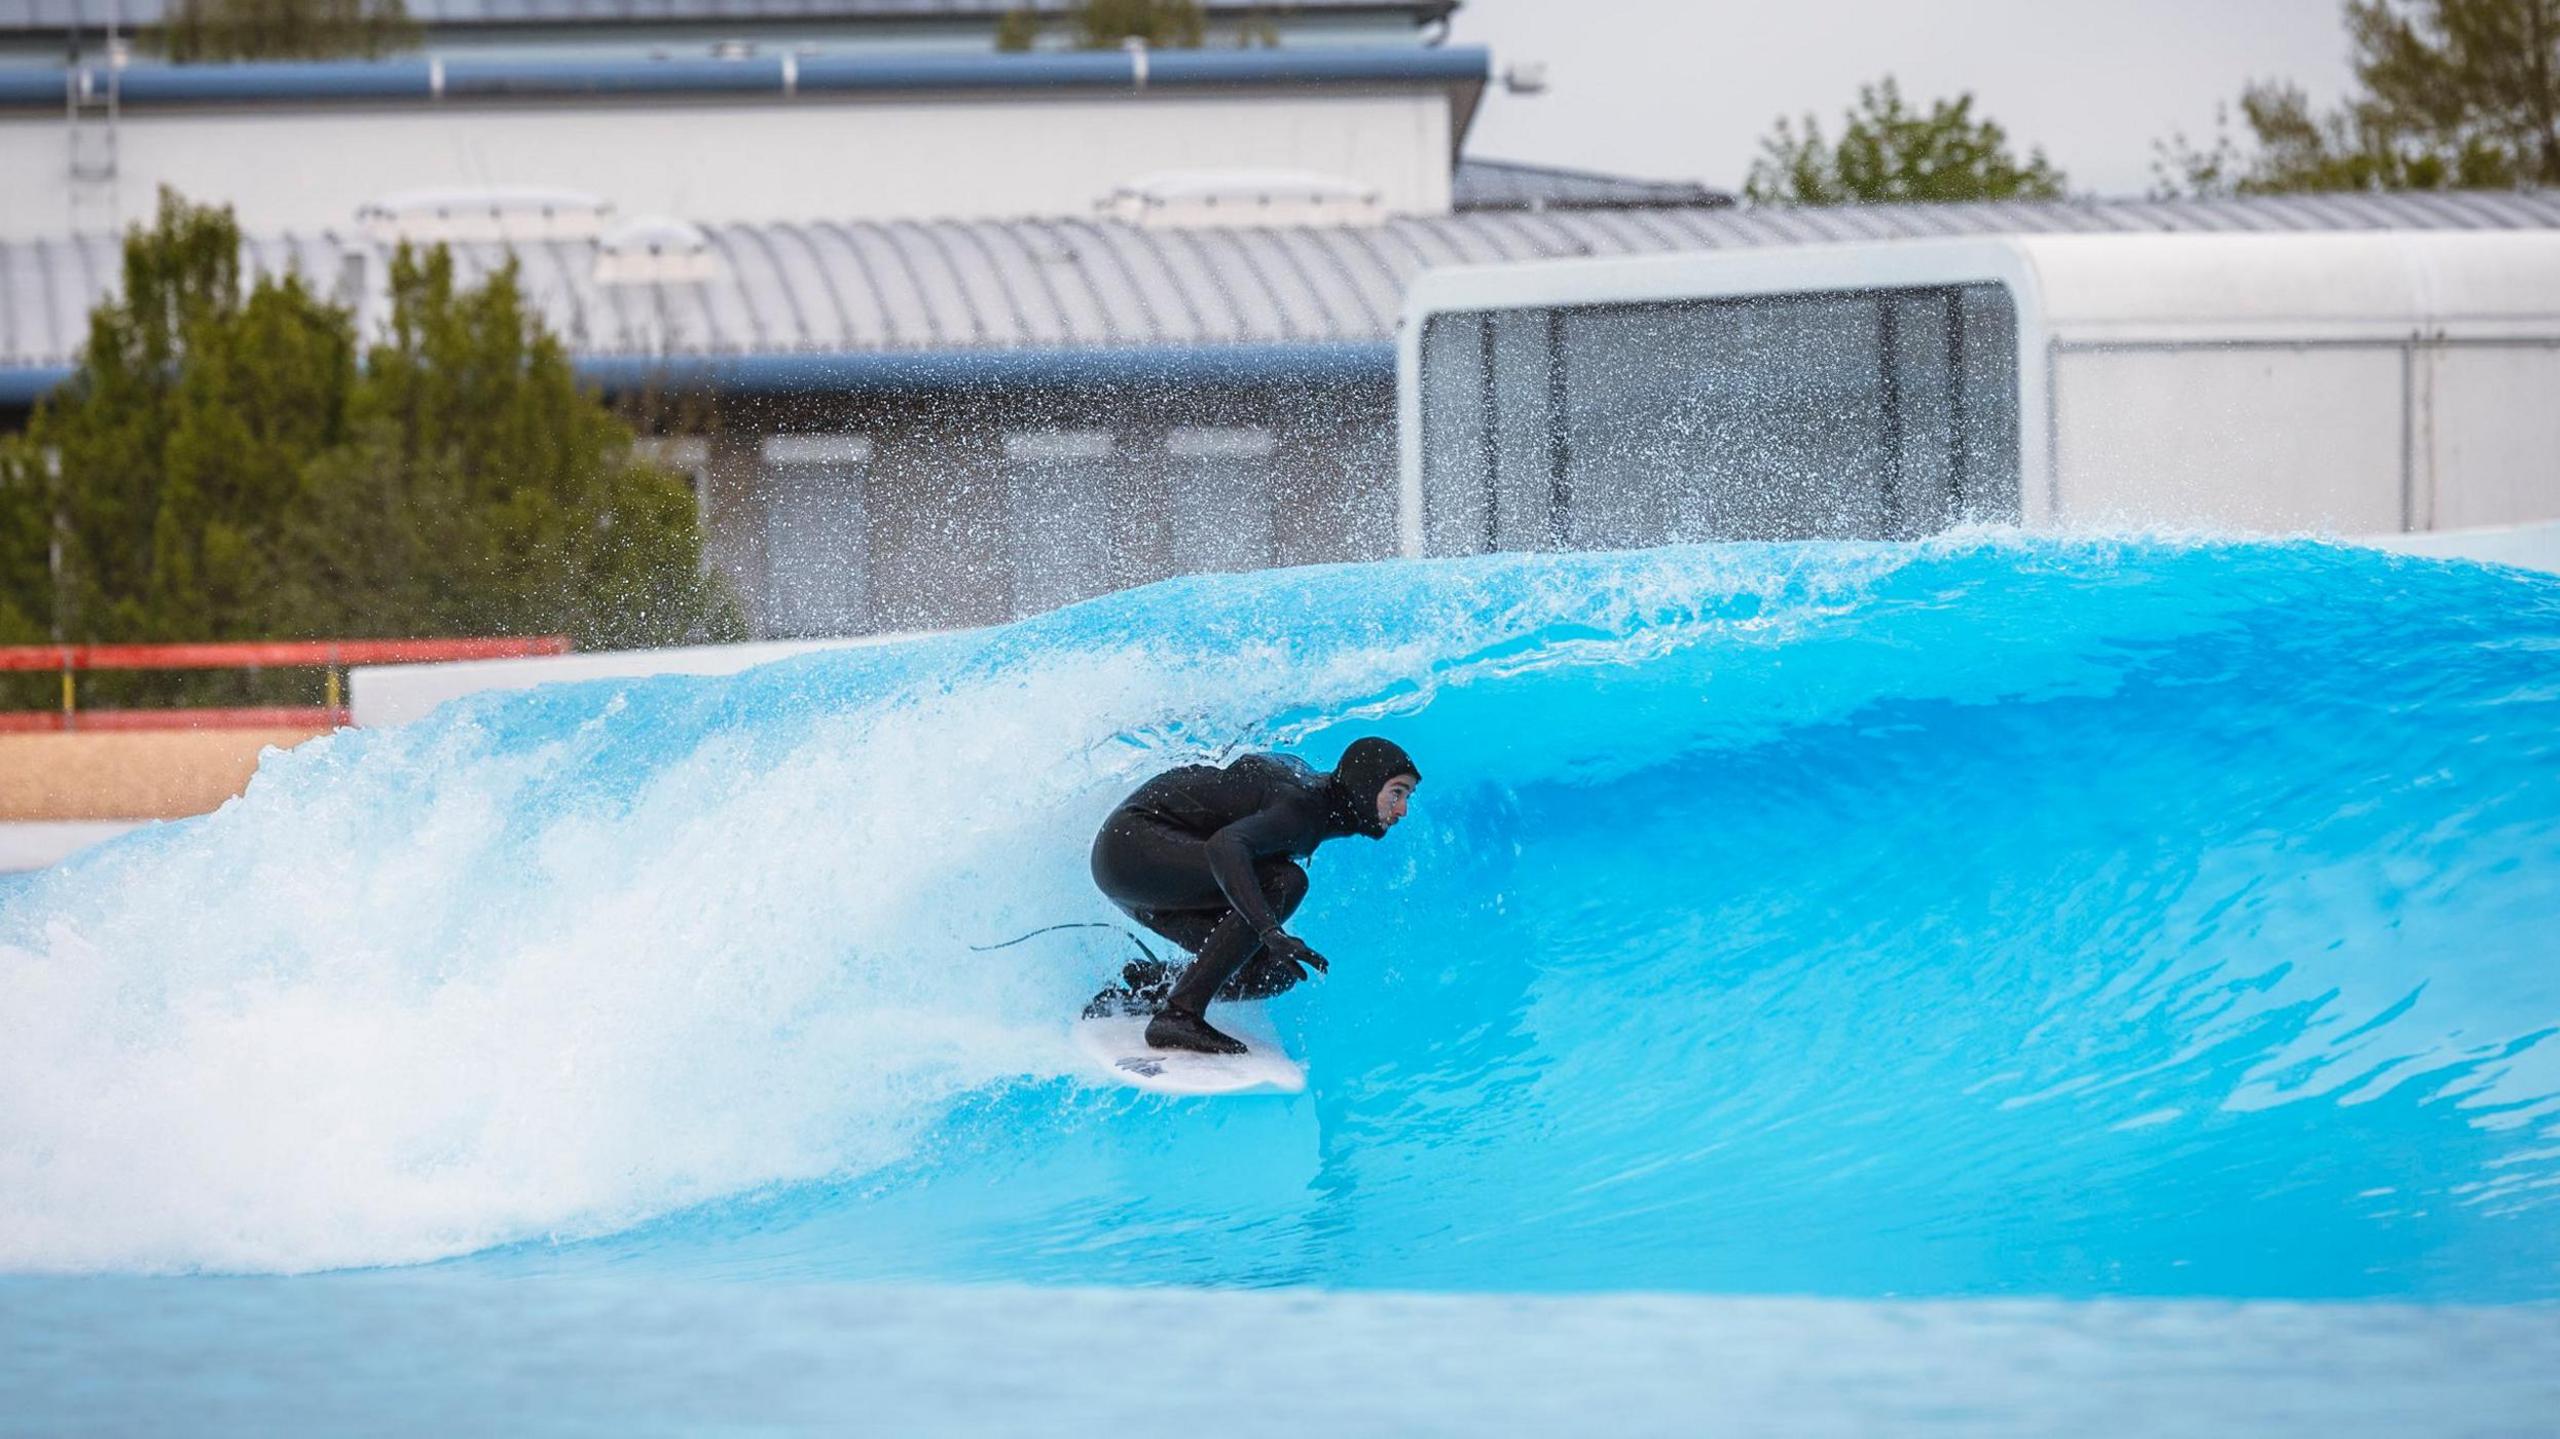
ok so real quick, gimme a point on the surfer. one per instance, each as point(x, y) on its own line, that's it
point(1208, 858)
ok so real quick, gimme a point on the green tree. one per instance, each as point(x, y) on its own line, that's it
point(218, 467)
point(1889, 152)
point(147, 496)
point(483, 493)
point(2451, 94)
point(1110, 24)
point(1018, 29)
point(1162, 24)
point(285, 29)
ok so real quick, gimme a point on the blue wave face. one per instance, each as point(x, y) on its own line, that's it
point(1992, 915)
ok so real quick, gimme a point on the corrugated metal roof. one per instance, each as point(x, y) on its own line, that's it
point(59, 15)
point(1510, 185)
point(853, 288)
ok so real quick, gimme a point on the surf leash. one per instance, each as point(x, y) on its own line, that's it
point(1073, 924)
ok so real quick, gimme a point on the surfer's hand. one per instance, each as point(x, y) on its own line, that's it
point(1289, 949)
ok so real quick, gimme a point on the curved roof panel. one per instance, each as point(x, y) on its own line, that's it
point(1051, 285)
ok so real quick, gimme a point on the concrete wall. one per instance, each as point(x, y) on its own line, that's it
point(284, 168)
point(155, 774)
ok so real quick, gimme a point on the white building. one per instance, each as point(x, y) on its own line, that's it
point(942, 335)
point(751, 138)
point(2373, 383)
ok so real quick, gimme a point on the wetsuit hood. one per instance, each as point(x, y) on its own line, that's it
point(1354, 784)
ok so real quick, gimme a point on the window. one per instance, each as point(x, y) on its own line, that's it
point(1872, 415)
point(816, 541)
point(1219, 485)
point(1058, 492)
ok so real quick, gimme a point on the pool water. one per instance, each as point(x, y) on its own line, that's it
point(1982, 980)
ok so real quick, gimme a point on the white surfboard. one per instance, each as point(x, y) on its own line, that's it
point(1118, 1045)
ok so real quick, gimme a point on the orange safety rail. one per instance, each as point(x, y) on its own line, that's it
point(328, 655)
point(273, 654)
point(312, 717)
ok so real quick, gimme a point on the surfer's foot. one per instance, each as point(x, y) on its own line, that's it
point(1141, 990)
point(1181, 1029)
point(1117, 1001)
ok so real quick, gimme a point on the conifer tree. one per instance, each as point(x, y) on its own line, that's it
point(483, 493)
point(285, 29)
point(219, 467)
point(146, 497)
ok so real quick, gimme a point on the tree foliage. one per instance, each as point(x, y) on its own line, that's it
point(220, 467)
point(285, 29)
point(1018, 29)
point(2451, 94)
point(1109, 24)
point(1890, 152)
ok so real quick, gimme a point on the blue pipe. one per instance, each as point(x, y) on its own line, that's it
point(1030, 367)
point(472, 79)
point(915, 371)
point(287, 82)
point(21, 386)
point(416, 80)
point(27, 86)
point(1093, 69)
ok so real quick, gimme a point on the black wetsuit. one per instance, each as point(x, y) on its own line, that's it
point(1208, 858)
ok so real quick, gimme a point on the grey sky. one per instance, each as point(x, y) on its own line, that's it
point(1684, 89)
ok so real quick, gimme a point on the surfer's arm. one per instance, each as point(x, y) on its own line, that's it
point(1233, 850)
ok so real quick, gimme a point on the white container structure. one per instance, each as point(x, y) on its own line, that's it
point(2347, 384)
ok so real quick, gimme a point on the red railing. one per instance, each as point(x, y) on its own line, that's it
point(331, 656)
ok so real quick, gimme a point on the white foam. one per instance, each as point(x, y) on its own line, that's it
point(549, 965)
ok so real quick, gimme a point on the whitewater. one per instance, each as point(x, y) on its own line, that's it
point(1998, 917)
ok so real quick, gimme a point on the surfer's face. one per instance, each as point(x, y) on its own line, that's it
point(1394, 799)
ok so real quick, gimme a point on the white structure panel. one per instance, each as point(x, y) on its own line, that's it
point(305, 170)
point(2306, 287)
point(35, 843)
point(2356, 382)
point(2253, 439)
point(2489, 431)
point(379, 695)
point(2531, 547)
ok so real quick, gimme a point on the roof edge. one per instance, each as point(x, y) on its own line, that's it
point(435, 80)
point(891, 371)
point(1422, 12)
point(895, 371)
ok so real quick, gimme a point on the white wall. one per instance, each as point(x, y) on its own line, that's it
point(2360, 438)
point(2488, 435)
point(809, 158)
point(396, 694)
point(2529, 547)
point(2254, 439)
point(35, 843)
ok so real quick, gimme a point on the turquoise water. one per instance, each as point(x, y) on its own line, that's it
point(1985, 920)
